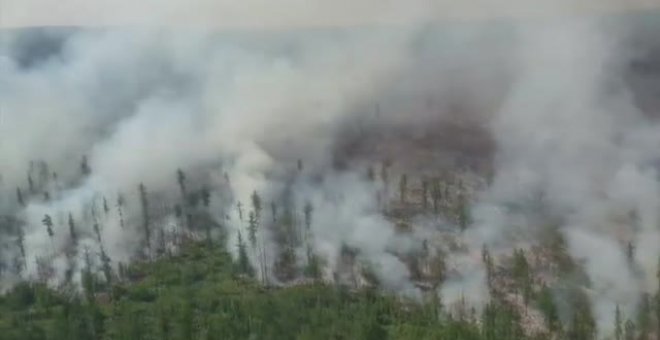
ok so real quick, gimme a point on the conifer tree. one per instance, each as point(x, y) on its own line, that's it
point(243, 260)
point(106, 209)
point(256, 205)
point(425, 193)
point(84, 167)
point(239, 207)
point(20, 242)
point(146, 219)
point(206, 197)
point(488, 262)
point(31, 184)
point(371, 173)
point(618, 324)
point(630, 330)
point(644, 316)
point(435, 195)
point(463, 212)
point(181, 179)
point(308, 215)
point(273, 210)
point(630, 253)
point(19, 197)
point(252, 228)
point(522, 273)
point(48, 222)
point(97, 232)
point(657, 302)
point(549, 308)
point(120, 209)
point(72, 231)
point(106, 265)
point(313, 269)
point(403, 187)
point(384, 174)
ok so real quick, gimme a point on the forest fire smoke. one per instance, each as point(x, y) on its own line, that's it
point(115, 143)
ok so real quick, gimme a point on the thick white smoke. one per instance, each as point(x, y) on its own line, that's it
point(237, 110)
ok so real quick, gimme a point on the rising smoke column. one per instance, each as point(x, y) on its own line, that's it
point(571, 135)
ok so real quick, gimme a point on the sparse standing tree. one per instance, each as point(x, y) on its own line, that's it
point(256, 205)
point(308, 215)
point(311, 258)
point(106, 209)
point(48, 222)
point(84, 167)
point(19, 197)
point(371, 173)
point(72, 231)
point(630, 330)
point(273, 209)
point(630, 253)
point(436, 195)
point(239, 206)
point(644, 316)
point(384, 175)
point(403, 187)
point(181, 179)
point(120, 210)
point(106, 265)
point(243, 260)
point(97, 232)
point(425, 193)
point(488, 262)
point(31, 184)
point(20, 240)
point(618, 323)
point(206, 197)
point(146, 219)
point(252, 229)
point(463, 212)
point(657, 302)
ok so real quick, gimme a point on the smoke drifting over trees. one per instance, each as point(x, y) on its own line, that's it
point(349, 155)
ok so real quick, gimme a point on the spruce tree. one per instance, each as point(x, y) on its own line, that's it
point(20, 242)
point(273, 210)
point(618, 324)
point(644, 316)
point(120, 210)
point(19, 197)
point(244, 266)
point(239, 207)
point(252, 228)
point(425, 193)
point(206, 197)
point(146, 219)
point(106, 209)
point(403, 187)
point(31, 184)
point(181, 179)
point(72, 231)
point(371, 173)
point(630, 331)
point(256, 205)
point(84, 167)
point(48, 222)
point(436, 195)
